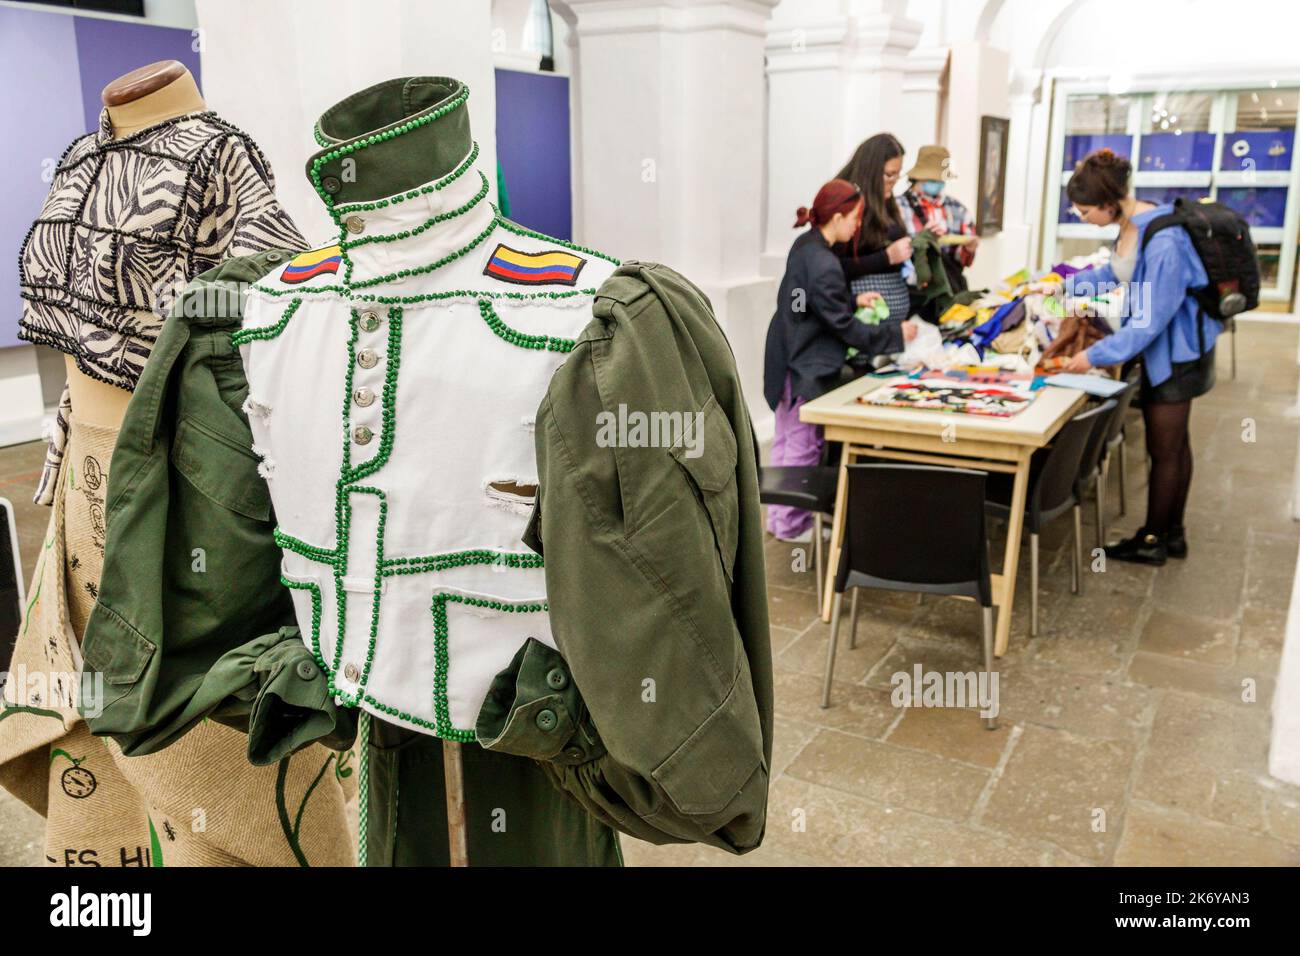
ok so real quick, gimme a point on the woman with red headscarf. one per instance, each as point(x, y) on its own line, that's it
point(813, 326)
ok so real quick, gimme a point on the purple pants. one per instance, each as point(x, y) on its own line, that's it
point(795, 443)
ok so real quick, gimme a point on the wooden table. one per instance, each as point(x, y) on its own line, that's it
point(941, 438)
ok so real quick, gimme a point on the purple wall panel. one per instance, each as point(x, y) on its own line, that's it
point(38, 55)
point(533, 149)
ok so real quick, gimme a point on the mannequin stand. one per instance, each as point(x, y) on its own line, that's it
point(454, 772)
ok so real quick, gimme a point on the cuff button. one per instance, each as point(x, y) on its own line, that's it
point(556, 679)
point(546, 720)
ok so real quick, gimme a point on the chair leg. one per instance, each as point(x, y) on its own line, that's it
point(1076, 557)
point(853, 620)
point(1234, 350)
point(1123, 480)
point(1103, 491)
point(990, 723)
point(830, 649)
point(1101, 517)
point(1033, 584)
point(817, 554)
point(920, 598)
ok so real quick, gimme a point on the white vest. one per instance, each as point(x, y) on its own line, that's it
point(393, 384)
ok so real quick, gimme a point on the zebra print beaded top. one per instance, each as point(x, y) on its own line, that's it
point(128, 222)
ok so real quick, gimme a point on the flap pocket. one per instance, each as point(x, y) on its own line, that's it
point(114, 648)
point(710, 461)
point(709, 770)
point(220, 469)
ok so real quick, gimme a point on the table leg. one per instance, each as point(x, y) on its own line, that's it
point(837, 534)
point(1015, 527)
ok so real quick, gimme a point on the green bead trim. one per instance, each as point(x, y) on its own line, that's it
point(240, 336)
point(423, 227)
point(424, 190)
point(392, 359)
point(314, 589)
point(359, 144)
point(443, 725)
point(459, 559)
point(334, 290)
point(419, 270)
point(524, 340)
point(519, 230)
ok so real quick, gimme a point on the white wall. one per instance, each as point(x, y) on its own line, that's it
point(309, 54)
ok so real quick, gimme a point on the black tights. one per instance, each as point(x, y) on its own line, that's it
point(1170, 448)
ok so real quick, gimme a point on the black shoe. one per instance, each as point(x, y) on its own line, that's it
point(1176, 542)
point(1142, 548)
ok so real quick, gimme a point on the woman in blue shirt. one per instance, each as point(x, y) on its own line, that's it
point(1164, 325)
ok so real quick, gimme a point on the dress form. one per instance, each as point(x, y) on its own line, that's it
point(135, 101)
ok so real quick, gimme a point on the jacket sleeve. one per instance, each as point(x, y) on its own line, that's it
point(830, 303)
point(191, 619)
point(1150, 305)
point(654, 714)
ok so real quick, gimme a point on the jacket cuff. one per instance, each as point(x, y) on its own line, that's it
point(293, 707)
point(533, 709)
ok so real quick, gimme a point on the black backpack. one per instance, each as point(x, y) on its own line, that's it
point(1221, 237)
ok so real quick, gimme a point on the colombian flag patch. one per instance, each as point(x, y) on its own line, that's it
point(308, 265)
point(534, 268)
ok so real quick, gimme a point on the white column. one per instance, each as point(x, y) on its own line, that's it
point(923, 73)
point(1024, 174)
point(670, 96)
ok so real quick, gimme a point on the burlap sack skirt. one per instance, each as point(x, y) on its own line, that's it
point(199, 801)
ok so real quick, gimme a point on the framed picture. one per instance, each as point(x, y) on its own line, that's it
point(993, 175)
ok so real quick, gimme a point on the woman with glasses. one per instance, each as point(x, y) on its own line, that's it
point(1163, 325)
point(875, 262)
point(813, 327)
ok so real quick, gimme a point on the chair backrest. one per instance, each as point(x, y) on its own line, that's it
point(1122, 401)
point(917, 524)
point(1093, 448)
point(1054, 487)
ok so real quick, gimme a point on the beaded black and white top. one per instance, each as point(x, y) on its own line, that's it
point(126, 224)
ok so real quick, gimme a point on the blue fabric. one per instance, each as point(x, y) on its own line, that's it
point(982, 335)
point(1159, 320)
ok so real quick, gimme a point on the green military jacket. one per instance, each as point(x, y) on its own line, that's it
point(191, 619)
point(656, 714)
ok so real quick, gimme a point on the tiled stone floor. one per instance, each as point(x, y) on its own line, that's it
point(1123, 739)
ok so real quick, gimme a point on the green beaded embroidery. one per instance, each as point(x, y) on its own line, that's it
point(494, 322)
point(424, 190)
point(240, 336)
point(424, 226)
point(443, 724)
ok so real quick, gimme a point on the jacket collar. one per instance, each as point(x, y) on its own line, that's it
point(398, 172)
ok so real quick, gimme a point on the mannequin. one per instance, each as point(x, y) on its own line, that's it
point(135, 101)
point(98, 300)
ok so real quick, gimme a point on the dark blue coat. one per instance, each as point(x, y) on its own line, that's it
point(814, 324)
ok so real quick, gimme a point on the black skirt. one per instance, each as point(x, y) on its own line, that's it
point(1187, 380)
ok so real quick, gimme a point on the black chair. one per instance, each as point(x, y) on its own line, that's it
point(811, 487)
point(1090, 463)
point(916, 528)
point(1115, 437)
point(1053, 472)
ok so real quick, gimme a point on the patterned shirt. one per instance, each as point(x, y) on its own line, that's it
point(126, 224)
point(941, 216)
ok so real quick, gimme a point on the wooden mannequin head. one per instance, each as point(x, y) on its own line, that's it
point(142, 81)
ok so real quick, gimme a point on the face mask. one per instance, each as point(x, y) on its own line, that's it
point(932, 187)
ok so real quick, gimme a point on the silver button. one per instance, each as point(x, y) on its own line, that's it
point(367, 358)
point(362, 435)
point(363, 397)
point(351, 672)
point(355, 224)
point(369, 321)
